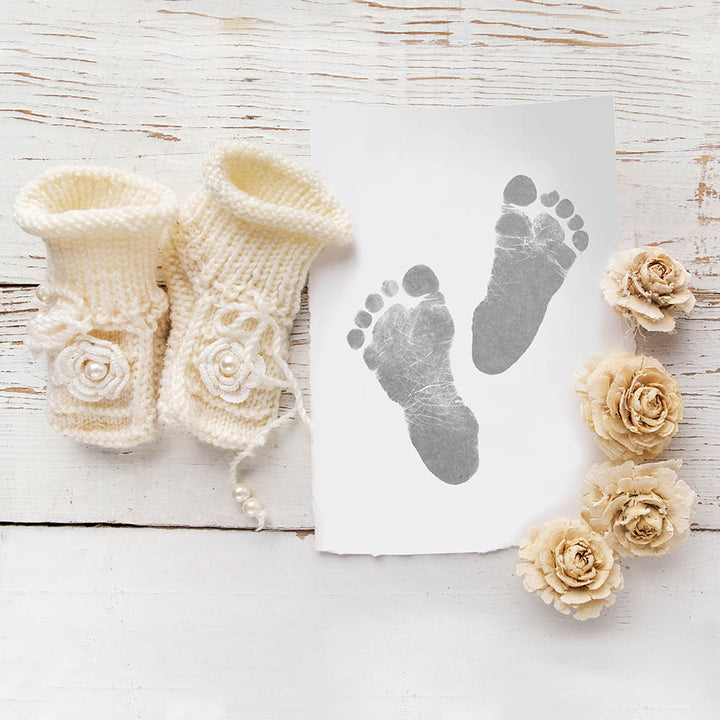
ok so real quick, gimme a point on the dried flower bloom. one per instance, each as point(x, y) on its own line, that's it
point(646, 286)
point(570, 566)
point(631, 403)
point(640, 509)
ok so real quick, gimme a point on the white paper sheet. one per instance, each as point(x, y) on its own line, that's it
point(393, 428)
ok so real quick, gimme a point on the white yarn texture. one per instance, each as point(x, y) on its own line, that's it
point(102, 320)
point(235, 266)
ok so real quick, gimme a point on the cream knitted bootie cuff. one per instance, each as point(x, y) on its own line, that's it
point(235, 267)
point(102, 319)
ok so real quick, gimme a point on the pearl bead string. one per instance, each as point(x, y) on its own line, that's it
point(251, 507)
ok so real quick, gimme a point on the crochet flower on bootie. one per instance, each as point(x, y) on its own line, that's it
point(91, 369)
point(232, 366)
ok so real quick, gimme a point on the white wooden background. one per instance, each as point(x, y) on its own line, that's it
point(129, 586)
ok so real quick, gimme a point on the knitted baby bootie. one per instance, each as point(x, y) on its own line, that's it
point(103, 319)
point(235, 266)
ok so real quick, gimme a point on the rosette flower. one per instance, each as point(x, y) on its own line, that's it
point(91, 369)
point(632, 404)
point(646, 286)
point(230, 370)
point(640, 509)
point(571, 567)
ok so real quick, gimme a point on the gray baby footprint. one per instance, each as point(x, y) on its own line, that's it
point(409, 352)
point(530, 265)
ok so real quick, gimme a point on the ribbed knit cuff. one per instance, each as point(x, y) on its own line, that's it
point(102, 228)
point(263, 188)
point(258, 223)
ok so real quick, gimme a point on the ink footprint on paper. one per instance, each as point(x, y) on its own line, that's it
point(408, 349)
point(530, 265)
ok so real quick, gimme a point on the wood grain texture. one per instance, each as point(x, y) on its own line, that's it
point(151, 86)
point(179, 624)
point(188, 625)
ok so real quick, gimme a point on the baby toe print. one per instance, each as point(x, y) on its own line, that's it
point(531, 261)
point(408, 349)
point(363, 319)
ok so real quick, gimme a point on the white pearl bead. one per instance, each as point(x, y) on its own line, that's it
point(228, 363)
point(43, 294)
point(95, 371)
point(252, 507)
point(241, 493)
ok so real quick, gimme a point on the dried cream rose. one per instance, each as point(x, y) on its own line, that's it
point(641, 509)
point(646, 286)
point(570, 566)
point(631, 403)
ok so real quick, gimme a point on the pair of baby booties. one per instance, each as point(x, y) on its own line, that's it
point(235, 259)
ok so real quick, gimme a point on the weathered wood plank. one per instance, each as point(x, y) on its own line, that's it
point(152, 86)
point(120, 623)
